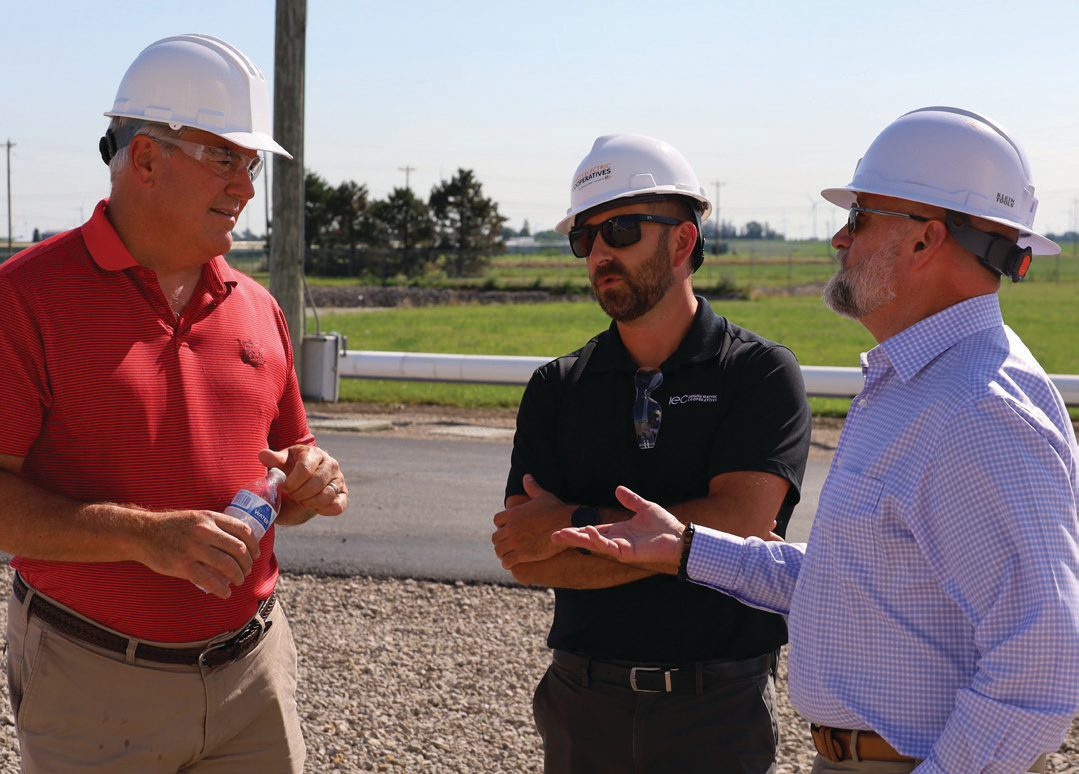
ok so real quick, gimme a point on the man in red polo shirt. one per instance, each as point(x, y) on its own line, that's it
point(145, 382)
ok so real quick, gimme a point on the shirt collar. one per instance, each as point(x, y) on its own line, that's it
point(110, 253)
point(104, 244)
point(912, 349)
point(703, 341)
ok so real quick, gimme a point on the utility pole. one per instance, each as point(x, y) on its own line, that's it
point(266, 200)
point(10, 145)
point(407, 169)
point(715, 247)
point(286, 246)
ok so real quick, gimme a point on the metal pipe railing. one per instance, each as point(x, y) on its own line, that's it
point(820, 381)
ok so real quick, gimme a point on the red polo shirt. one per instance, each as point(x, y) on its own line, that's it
point(111, 398)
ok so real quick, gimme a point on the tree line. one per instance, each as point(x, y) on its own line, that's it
point(347, 233)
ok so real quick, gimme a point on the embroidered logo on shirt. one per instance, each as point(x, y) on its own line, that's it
point(696, 398)
point(252, 353)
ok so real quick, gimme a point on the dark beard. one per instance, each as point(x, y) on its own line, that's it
point(640, 290)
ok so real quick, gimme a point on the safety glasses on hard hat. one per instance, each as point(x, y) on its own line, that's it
point(224, 161)
point(619, 231)
point(852, 217)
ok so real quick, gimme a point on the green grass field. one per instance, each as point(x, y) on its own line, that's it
point(1044, 314)
point(750, 268)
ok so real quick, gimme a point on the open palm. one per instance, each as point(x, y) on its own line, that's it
point(651, 537)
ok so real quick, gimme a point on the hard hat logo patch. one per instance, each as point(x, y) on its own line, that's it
point(1007, 201)
point(589, 176)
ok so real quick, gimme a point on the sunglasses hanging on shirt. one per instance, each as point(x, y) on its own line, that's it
point(647, 413)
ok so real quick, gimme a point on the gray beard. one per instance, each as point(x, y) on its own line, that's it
point(858, 292)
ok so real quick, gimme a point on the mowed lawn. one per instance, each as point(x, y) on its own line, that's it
point(1045, 315)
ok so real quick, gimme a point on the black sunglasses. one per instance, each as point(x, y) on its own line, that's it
point(619, 231)
point(647, 412)
point(852, 217)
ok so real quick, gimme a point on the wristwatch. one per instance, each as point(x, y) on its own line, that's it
point(687, 542)
point(584, 516)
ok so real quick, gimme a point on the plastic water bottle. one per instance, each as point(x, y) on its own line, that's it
point(259, 503)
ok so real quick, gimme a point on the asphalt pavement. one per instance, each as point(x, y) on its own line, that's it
point(423, 508)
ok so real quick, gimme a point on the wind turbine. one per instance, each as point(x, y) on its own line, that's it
point(813, 213)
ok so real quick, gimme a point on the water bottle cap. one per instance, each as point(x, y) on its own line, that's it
point(276, 475)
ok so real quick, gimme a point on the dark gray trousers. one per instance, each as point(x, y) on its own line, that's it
point(594, 727)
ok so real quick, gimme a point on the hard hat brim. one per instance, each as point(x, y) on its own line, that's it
point(631, 197)
point(846, 197)
point(256, 141)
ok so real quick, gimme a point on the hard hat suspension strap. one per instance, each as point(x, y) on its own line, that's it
point(999, 254)
point(114, 140)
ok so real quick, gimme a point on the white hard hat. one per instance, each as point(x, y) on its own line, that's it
point(201, 82)
point(955, 159)
point(624, 165)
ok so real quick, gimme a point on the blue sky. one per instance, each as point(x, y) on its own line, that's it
point(772, 100)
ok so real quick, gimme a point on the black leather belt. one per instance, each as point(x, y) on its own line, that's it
point(206, 656)
point(645, 678)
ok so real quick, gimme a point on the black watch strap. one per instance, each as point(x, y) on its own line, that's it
point(584, 516)
point(687, 544)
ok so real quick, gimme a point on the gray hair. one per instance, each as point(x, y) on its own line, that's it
point(159, 131)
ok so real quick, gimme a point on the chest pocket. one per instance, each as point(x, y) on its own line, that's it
point(848, 519)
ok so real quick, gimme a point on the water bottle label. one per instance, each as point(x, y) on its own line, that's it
point(249, 507)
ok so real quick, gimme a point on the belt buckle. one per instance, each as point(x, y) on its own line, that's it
point(666, 679)
point(240, 645)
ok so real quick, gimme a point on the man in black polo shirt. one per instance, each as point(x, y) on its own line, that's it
point(688, 410)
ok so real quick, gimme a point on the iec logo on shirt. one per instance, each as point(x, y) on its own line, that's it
point(677, 400)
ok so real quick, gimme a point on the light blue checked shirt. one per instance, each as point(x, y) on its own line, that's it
point(937, 601)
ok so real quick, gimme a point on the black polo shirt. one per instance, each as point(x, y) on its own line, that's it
point(731, 401)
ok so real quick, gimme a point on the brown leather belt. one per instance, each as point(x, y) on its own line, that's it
point(841, 744)
point(208, 656)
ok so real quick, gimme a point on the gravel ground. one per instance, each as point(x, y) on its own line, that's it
point(417, 676)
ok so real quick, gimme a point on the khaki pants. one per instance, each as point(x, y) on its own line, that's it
point(825, 766)
point(79, 708)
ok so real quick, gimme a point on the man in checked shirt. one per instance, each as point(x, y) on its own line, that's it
point(934, 612)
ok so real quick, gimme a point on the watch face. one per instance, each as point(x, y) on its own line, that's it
point(584, 516)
